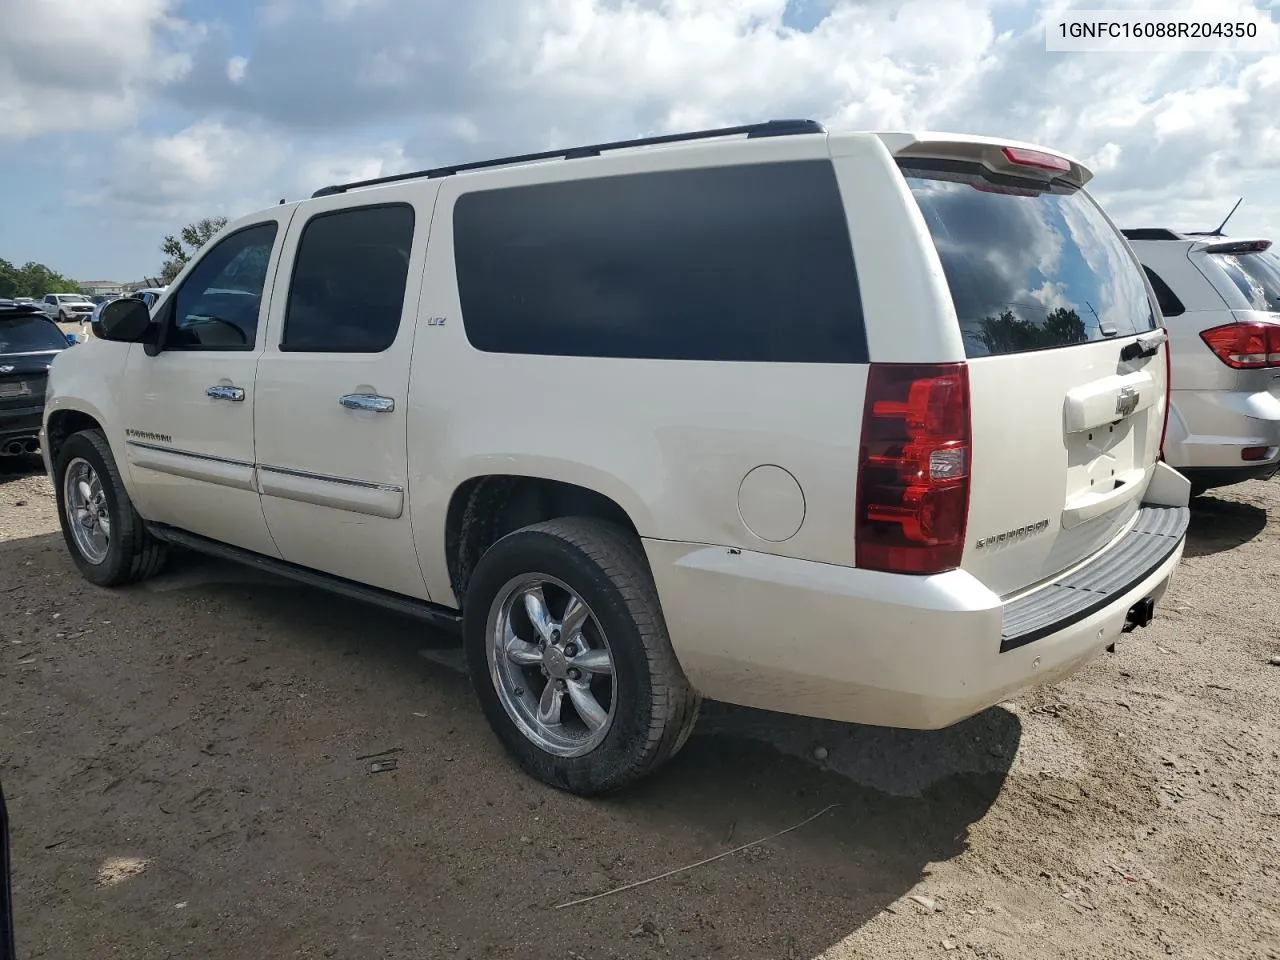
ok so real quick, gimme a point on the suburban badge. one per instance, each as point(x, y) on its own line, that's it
point(1009, 536)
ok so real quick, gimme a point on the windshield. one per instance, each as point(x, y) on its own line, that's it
point(1257, 275)
point(30, 335)
point(1030, 267)
point(72, 298)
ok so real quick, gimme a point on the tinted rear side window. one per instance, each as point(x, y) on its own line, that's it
point(1257, 275)
point(748, 263)
point(349, 279)
point(1169, 303)
point(1030, 267)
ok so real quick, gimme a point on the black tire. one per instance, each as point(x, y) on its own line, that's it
point(655, 708)
point(132, 552)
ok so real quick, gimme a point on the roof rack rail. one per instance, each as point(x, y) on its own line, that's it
point(1151, 233)
point(770, 128)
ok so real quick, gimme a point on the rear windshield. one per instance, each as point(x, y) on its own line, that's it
point(1030, 267)
point(1256, 274)
point(29, 335)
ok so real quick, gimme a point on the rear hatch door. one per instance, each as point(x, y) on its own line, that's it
point(1067, 368)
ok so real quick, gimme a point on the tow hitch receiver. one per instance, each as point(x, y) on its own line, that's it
point(1140, 614)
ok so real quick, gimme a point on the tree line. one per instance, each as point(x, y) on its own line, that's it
point(35, 279)
point(32, 280)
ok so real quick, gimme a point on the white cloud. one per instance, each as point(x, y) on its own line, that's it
point(63, 67)
point(351, 88)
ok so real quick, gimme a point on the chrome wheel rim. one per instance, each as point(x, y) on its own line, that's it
point(551, 665)
point(85, 504)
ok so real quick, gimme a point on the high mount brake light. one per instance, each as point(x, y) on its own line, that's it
point(913, 469)
point(1245, 346)
point(1239, 246)
point(1022, 157)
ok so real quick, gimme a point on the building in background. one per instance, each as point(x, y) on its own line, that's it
point(101, 288)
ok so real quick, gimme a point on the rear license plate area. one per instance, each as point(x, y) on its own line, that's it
point(15, 388)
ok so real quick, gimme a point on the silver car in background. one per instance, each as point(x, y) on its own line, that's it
point(1220, 297)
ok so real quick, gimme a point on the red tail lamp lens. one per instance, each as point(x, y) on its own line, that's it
point(913, 472)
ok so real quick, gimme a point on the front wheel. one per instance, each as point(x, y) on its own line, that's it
point(570, 657)
point(108, 540)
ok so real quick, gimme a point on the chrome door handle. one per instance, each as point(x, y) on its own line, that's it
point(223, 392)
point(368, 401)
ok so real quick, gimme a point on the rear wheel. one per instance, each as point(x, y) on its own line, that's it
point(570, 658)
point(108, 540)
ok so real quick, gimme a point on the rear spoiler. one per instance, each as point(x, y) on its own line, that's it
point(1011, 157)
point(1257, 245)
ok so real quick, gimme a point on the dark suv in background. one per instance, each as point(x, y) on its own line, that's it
point(29, 341)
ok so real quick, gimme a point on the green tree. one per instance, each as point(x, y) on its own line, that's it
point(181, 248)
point(1009, 333)
point(32, 280)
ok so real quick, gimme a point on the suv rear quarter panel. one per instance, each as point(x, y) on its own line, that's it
point(669, 441)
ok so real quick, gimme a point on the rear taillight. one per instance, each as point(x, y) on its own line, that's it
point(1245, 346)
point(1168, 389)
point(913, 471)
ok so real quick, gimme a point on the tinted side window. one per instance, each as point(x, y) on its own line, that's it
point(1170, 305)
point(217, 306)
point(747, 263)
point(349, 280)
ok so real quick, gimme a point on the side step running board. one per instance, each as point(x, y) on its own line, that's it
point(445, 618)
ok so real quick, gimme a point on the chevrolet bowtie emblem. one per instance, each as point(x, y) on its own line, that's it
point(1126, 402)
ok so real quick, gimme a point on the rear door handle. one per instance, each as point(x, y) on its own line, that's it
point(221, 391)
point(368, 401)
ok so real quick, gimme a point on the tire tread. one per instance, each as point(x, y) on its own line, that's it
point(144, 554)
point(674, 704)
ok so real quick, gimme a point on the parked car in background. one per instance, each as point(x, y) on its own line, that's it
point(149, 295)
point(812, 452)
point(1220, 298)
point(29, 343)
point(67, 307)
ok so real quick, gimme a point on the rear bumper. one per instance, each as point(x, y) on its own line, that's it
point(20, 422)
point(919, 652)
point(1208, 429)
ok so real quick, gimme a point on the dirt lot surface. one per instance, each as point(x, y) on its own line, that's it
point(188, 774)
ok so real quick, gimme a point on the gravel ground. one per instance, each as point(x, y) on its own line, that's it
point(188, 767)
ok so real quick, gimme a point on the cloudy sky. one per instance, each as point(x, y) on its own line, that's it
point(120, 120)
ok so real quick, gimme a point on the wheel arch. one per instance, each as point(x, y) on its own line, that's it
point(486, 507)
point(64, 418)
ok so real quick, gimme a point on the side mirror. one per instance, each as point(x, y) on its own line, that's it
point(126, 320)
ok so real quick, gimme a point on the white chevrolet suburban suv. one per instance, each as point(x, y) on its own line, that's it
point(857, 426)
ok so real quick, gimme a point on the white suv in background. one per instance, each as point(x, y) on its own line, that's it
point(859, 426)
point(1221, 302)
